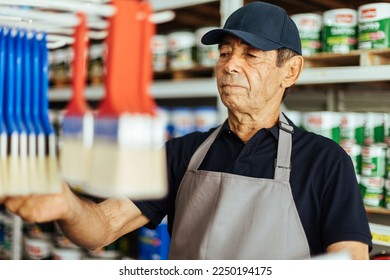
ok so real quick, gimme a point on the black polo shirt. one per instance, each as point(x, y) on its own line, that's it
point(322, 179)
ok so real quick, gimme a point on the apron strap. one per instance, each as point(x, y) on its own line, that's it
point(201, 152)
point(283, 160)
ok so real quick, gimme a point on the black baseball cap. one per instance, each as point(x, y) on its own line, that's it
point(261, 25)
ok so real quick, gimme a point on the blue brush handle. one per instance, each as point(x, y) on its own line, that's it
point(10, 84)
point(26, 90)
point(35, 69)
point(2, 79)
point(44, 87)
point(18, 81)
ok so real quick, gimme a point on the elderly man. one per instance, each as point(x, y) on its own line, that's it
point(256, 187)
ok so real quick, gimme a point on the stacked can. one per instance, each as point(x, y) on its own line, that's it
point(326, 124)
point(374, 26)
point(38, 241)
point(206, 117)
point(339, 30)
point(160, 52)
point(181, 50)
point(309, 26)
point(207, 55)
point(373, 174)
point(352, 136)
point(387, 194)
point(374, 131)
point(64, 248)
point(5, 234)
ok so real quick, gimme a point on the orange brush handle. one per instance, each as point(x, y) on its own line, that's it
point(123, 59)
point(148, 104)
point(77, 105)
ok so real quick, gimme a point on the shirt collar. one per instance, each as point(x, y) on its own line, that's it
point(273, 130)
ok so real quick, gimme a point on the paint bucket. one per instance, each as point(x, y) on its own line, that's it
point(355, 152)
point(374, 160)
point(352, 127)
point(326, 124)
point(374, 26)
point(372, 189)
point(374, 128)
point(206, 117)
point(339, 30)
point(309, 26)
point(207, 55)
point(160, 52)
point(183, 121)
point(181, 50)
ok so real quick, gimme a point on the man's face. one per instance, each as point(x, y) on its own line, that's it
point(248, 79)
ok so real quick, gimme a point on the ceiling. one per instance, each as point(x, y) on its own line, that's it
point(194, 17)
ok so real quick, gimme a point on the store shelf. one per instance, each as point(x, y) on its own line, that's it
point(380, 234)
point(344, 74)
point(206, 87)
point(377, 210)
point(191, 88)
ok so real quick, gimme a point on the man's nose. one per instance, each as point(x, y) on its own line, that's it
point(233, 64)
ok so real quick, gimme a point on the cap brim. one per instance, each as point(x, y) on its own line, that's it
point(215, 37)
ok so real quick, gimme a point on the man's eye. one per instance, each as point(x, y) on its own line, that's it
point(223, 54)
point(251, 55)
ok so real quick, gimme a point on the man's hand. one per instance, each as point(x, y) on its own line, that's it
point(41, 208)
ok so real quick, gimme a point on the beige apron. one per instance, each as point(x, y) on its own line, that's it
point(226, 216)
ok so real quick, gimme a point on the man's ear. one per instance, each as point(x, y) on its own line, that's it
point(293, 68)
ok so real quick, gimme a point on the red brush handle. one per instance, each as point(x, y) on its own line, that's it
point(123, 59)
point(148, 104)
point(77, 104)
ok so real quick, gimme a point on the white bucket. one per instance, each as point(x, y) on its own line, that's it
point(160, 52)
point(207, 55)
point(374, 26)
point(181, 49)
point(206, 117)
point(339, 30)
point(309, 26)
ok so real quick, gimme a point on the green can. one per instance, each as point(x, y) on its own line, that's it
point(374, 160)
point(355, 152)
point(340, 30)
point(387, 128)
point(352, 127)
point(374, 129)
point(372, 191)
point(374, 26)
point(387, 171)
point(387, 194)
point(309, 26)
point(324, 123)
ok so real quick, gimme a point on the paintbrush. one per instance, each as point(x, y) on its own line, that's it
point(77, 124)
point(122, 135)
point(53, 183)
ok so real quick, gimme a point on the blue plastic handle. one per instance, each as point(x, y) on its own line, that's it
point(35, 86)
point(18, 80)
point(2, 80)
point(44, 86)
point(10, 84)
point(26, 88)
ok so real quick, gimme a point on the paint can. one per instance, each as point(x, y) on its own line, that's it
point(181, 50)
point(339, 30)
point(309, 26)
point(207, 55)
point(160, 52)
point(374, 26)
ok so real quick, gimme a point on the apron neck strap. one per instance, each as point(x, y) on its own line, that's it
point(283, 159)
point(282, 162)
point(201, 152)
